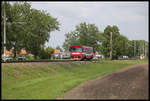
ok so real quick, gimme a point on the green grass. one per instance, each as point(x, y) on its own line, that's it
point(50, 81)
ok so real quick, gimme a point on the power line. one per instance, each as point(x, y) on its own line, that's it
point(132, 46)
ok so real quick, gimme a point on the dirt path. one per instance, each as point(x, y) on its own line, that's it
point(128, 83)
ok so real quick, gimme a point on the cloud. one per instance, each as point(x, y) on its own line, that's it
point(130, 17)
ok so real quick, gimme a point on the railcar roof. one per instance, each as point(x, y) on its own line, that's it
point(76, 46)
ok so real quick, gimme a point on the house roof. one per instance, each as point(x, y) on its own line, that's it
point(56, 51)
point(63, 53)
point(23, 52)
point(11, 52)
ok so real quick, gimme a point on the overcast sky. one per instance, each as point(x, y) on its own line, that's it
point(130, 17)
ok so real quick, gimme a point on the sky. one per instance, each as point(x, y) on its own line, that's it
point(130, 17)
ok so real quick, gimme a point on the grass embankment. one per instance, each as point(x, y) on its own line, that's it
point(50, 81)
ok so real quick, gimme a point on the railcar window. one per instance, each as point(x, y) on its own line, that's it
point(88, 50)
point(76, 49)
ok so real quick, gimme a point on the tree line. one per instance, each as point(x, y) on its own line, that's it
point(89, 35)
point(29, 29)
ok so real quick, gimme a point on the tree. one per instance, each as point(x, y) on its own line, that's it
point(118, 42)
point(46, 53)
point(40, 24)
point(120, 46)
point(72, 38)
point(14, 27)
point(59, 48)
point(84, 34)
point(27, 28)
point(137, 48)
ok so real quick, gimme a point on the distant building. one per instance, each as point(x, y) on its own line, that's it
point(22, 52)
point(58, 54)
point(56, 51)
point(9, 53)
point(142, 57)
point(97, 55)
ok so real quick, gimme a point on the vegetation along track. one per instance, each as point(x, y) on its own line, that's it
point(50, 61)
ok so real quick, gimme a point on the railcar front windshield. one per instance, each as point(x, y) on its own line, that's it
point(76, 49)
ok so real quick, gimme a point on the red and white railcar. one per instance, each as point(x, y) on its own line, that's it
point(81, 52)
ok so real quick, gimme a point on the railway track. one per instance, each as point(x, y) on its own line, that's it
point(36, 61)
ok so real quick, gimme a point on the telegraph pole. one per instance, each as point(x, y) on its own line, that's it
point(143, 48)
point(4, 34)
point(134, 48)
point(110, 45)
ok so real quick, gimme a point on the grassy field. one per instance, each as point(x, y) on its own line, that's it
point(50, 81)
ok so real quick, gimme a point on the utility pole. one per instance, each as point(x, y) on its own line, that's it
point(143, 48)
point(134, 48)
point(110, 45)
point(4, 34)
point(144, 51)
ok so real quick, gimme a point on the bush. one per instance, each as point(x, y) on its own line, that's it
point(46, 53)
point(29, 57)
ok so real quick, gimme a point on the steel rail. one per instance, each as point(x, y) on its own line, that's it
point(30, 61)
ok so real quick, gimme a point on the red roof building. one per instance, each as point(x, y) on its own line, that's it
point(56, 51)
point(22, 52)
